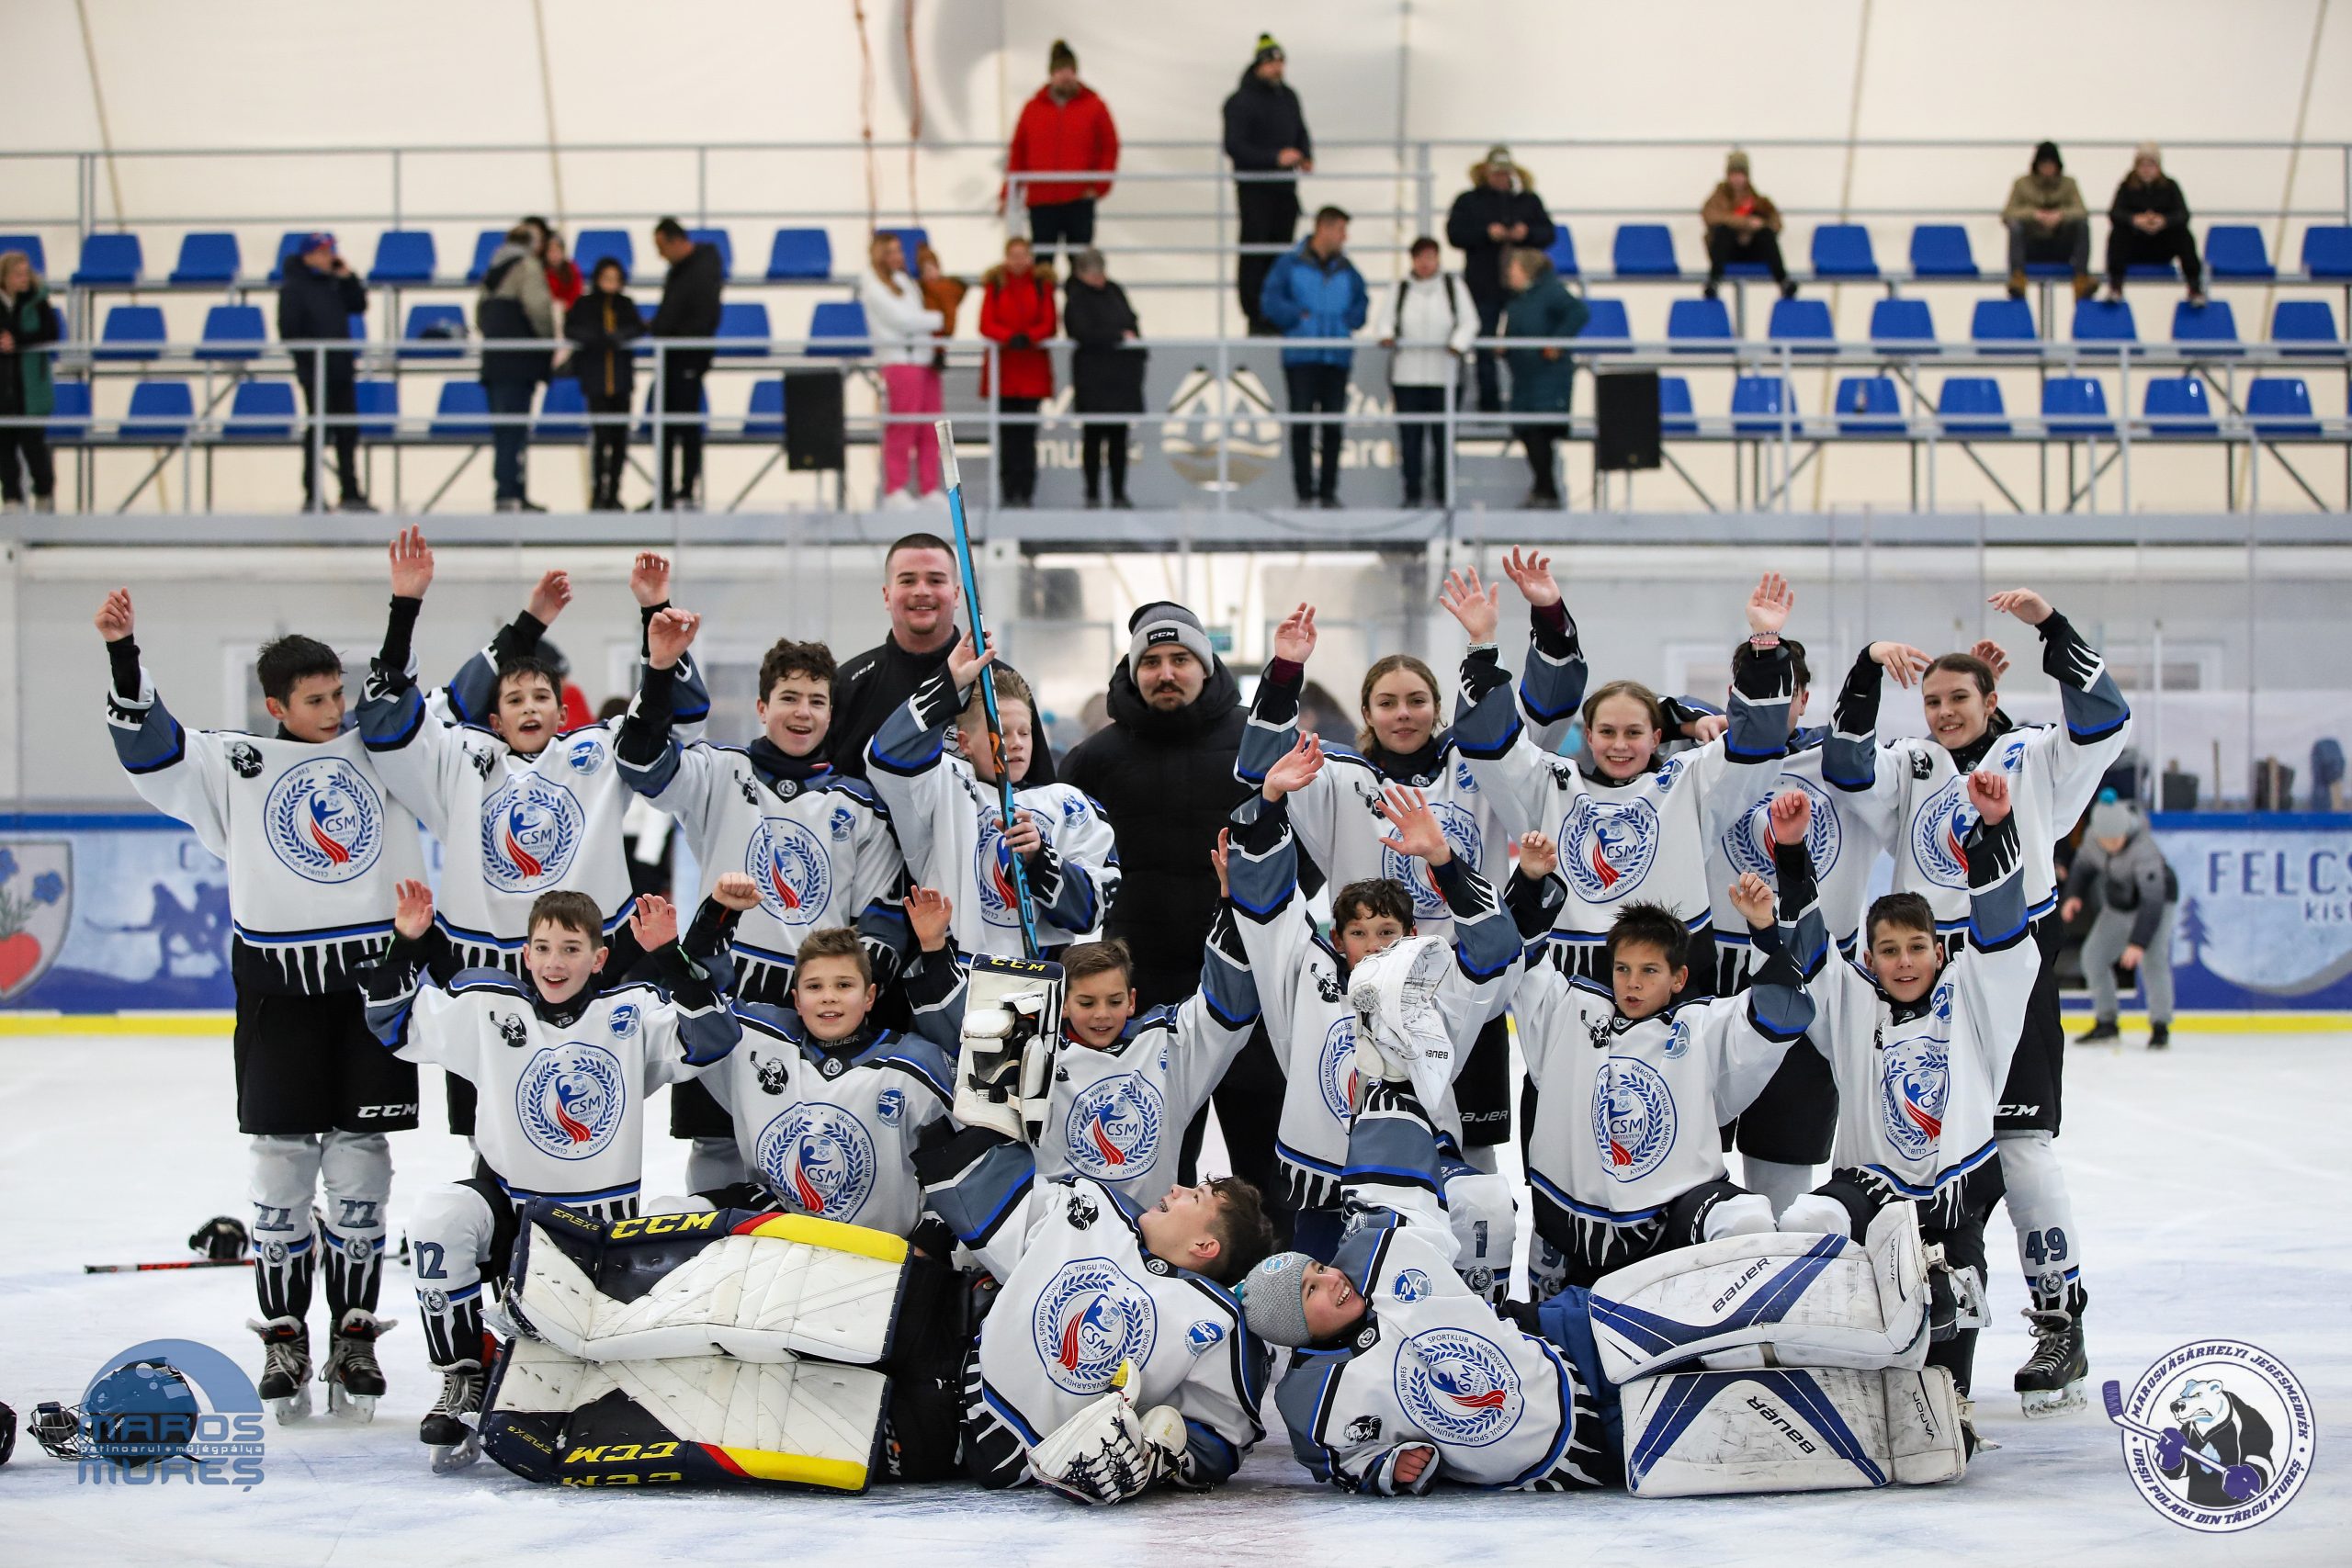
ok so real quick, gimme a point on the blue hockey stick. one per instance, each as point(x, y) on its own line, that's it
point(987, 683)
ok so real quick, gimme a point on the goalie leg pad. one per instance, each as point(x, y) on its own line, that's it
point(706, 1420)
point(1708, 1434)
point(760, 1287)
point(1779, 1298)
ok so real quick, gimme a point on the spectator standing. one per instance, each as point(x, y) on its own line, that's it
point(27, 390)
point(1265, 132)
point(2138, 894)
point(1105, 371)
point(1017, 313)
point(565, 285)
point(2048, 223)
point(1430, 320)
point(601, 325)
point(942, 293)
point(1066, 127)
point(1742, 226)
point(1499, 212)
point(1542, 379)
point(899, 325)
point(316, 301)
point(1316, 291)
point(689, 309)
point(514, 306)
point(2150, 226)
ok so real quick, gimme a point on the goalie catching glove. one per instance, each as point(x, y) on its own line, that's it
point(1108, 1452)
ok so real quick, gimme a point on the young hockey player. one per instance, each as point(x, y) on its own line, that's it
point(1918, 1047)
point(1122, 1087)
point(815, 842)
point(952, 829)
point(1404, 1378)
point(1115, 1356)
point(1302, 988)
point(563, 1065)
point(313, 849)
point(2053, 772)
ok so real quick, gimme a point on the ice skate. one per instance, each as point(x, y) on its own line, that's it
point(450, 1428)
point(285, 1384)
point(355, 1380)
point(2051, 1381)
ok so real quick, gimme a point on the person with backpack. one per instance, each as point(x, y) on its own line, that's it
point(1430, 320)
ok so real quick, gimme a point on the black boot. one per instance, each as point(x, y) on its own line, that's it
point(2100, 1029)
point(2159, 1036)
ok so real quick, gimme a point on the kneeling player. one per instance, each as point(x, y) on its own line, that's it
point(564, 1066)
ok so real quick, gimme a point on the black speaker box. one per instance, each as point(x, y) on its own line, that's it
point(812, 420)
point(1626, 402)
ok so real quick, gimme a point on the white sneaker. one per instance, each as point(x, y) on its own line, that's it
point(899, 500)
point(12, 506)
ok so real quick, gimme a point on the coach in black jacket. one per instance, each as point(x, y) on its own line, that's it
point(689, 309)
point(315, 303)
point(1265, 132)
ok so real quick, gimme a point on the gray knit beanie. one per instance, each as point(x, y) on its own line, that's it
point(2111, 819)
point(1273, 1299)
point(1162, 622)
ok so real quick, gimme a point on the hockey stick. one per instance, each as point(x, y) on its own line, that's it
point(154, 1268)
point(2112, 1394)
point(946, 429)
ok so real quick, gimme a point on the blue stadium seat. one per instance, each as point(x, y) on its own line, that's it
point(159, 413)
point(108, 259)
point(486, 245)
point(357, 325)
point(801, 253)
point(206, 259)
point(2104, 322)
point(434, 332)
point(1562, 250)
point(2213, 326)
point(834, 319)
point(30, 244)
point(463, 414)
point(1942, 250)
point(2076, 405)
point(1606, 325)
point(2305, 326)
point(764, 420)
point(595, 244)
point(232, 332)
point(378, 405)
point(1843, 250)
point(403, 255)
point(133, 331)
point(1869, 405)
point(2279, 406)
point(746, 319)
point(1803, 324)
point(721, 241)
point(2176, 407)
point(1971, 405)
point(1758, 403)
point(261, 410)
point(2148, 272)
point(1644, 250)
point(2003, 326)
point(289, 245)
point(1677, 416)
point(69, 417)
point(1698, 326)
point(563, 412)
point(911, 241)
point(2327, 250)
point(1903, 326)
point(2235, 250)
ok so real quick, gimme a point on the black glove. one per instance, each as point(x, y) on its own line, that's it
point(1020, 340)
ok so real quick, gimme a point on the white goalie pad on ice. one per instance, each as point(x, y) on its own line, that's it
point(1708, 1434)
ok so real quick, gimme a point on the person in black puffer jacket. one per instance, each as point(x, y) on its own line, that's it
point(316, 301)
point(1265, 133)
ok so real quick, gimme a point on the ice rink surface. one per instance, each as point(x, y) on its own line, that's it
point(2210, 1191)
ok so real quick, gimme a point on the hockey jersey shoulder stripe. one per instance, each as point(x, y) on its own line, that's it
point(486, 979)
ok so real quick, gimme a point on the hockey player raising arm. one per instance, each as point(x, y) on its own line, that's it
point(952, 829)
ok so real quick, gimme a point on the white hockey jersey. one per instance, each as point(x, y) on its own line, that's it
point(312, 843)
point(2053, 772)
point(1432, 1363)
point(562, 1090)
point(1302, 990)
point(830, 1130)
point(951, 831)
point(1627, 1111)
point(1083, 1296)
point(1919, 1082)
point(1118, 1114)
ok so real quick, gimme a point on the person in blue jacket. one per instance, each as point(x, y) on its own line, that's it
point(1317, 292)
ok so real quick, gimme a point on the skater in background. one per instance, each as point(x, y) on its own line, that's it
point(2139, 894)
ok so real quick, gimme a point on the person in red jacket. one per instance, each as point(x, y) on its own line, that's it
point(1066, 127)
point(1017, 311)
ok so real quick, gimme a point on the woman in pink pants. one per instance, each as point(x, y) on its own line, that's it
point(901, 327)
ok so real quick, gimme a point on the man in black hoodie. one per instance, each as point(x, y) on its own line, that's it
point(689, 309)
point(1265, 132)
point(315, 304)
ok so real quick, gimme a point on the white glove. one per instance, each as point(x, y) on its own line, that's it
point(1108, 1452)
